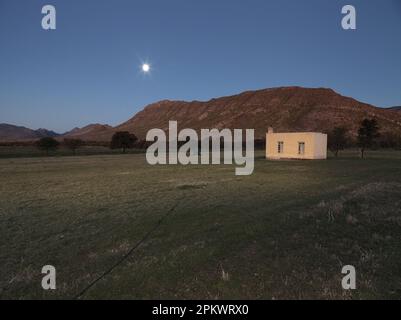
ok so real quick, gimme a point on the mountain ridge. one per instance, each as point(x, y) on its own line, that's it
point(396, 108)
point(91, 132)
point(283, 108)
point(9, 132)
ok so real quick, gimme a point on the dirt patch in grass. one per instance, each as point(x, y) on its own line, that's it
point(194, 185)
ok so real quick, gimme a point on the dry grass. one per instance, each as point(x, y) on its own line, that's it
point(283, 233)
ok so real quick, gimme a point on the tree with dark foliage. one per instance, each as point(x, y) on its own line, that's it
point(390, 140)
point(73, 144)
point(47, 144)
point(338, 140)
point(367, 135)
point(123, 140)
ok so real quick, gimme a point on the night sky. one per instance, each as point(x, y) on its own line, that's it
point(89, 69)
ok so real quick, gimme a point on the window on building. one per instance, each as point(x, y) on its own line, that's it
point(280, 147)
point(301, 148)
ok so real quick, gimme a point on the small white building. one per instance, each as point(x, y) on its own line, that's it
point(296, 145)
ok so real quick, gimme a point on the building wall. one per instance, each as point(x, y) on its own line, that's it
point(315, 145)
point(321, 146)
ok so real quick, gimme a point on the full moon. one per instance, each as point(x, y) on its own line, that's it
point(145, 67)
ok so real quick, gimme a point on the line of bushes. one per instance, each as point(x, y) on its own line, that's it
point(368, 137)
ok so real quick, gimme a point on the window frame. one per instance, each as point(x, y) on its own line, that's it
point(301, 143)
point(280, 147)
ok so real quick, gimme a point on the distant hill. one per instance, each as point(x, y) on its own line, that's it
point(46, 133)
point(92, 132)
point(285, 109)
point(398, 109)
point(10, 132)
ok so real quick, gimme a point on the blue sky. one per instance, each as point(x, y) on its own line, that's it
point(87, 70)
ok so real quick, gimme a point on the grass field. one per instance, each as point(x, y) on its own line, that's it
point(283, 233)
point(32, 151)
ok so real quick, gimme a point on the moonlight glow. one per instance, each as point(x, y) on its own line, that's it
point(145, 68)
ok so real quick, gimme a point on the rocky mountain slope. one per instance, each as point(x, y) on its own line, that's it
point(286, 109)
